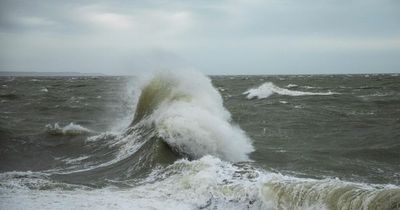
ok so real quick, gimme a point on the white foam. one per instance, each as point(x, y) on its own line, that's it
point(208, 183)
point(291, 85)
point(18, 180)
point(298, 107)
point(195, 122)
point(70, 129)
point(189, 185)
point(269, 88)
point(101, 136)
point(75, 160)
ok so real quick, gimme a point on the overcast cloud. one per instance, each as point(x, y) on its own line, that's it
point(215, 37)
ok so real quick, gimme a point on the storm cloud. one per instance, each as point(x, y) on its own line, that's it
point(216, 37)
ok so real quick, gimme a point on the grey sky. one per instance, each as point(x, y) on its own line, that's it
point(215, 37)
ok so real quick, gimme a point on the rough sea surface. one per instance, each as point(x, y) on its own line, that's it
point(188, 141)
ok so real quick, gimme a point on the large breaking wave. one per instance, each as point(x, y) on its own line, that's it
point(187, 112)
point(176, 116)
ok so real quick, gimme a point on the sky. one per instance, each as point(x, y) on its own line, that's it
point(127, 37)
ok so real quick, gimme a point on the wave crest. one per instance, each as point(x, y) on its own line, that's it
point(70, 129)
point(187, 112)
point(267, 89)
point(296, 193)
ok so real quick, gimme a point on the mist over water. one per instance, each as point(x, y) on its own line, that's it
point(186, 141)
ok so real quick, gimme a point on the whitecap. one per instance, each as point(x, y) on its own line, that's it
point(267, 89)
point(70, 129)
point(291, 85)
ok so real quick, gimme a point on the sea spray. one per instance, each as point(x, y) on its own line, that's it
point(188, 114)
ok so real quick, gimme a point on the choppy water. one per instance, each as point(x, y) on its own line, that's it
point(183, 141)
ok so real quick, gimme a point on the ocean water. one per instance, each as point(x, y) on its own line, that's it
point(188, 141)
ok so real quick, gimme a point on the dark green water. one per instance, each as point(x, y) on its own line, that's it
point(330, 134)
point(354, 134)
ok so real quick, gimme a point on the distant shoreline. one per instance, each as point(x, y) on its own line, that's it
point(47, 74)
point(78, 74)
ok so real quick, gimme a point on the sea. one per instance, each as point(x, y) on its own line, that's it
point(184, 140)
